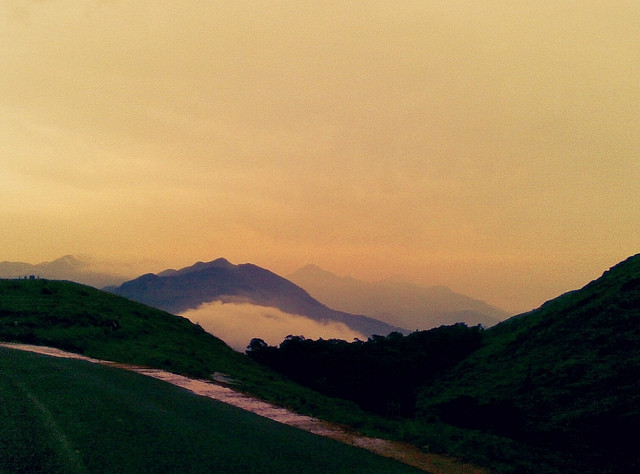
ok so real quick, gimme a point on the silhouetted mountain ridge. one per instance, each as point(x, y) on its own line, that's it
point(179, 290)
point(198, 266)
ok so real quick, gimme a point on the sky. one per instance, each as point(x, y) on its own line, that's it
point(492, 147)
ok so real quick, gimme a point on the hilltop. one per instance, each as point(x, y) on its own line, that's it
point(69, 267)
point(83, 319)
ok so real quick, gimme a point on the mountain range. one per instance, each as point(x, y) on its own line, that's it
point(177, 291)
point(402, 306)
point(395, 302)
point(556, 389)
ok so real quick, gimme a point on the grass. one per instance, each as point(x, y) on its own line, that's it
point(88, 321)
point(567, 376)
point(553, 390)
point(72, 416)
point(81, 319)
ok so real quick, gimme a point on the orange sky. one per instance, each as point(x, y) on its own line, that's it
point(489, 146)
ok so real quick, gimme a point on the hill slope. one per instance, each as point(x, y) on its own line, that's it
point(102, 325)
point(73, 416)
point(564, 378)
point(85, 320)
point(397, 303)
point(179, 290)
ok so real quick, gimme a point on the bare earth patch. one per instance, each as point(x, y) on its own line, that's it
point(405, 453)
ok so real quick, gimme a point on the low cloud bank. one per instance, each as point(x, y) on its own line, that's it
point(238, 323)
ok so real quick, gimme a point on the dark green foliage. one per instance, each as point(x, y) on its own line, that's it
point(71, 416)
point(381, 374)
point(553, 390)
point(565, 378)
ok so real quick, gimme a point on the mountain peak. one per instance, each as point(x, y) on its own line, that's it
point(198, 266)
point(66, 261)
point(221, 262)
point(177, 291)
point(312, 270)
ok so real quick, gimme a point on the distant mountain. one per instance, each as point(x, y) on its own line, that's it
point(176, 291)
point(397, 303)
point(64, 268)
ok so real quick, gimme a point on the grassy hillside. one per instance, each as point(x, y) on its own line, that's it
point(85, 320)
point(72, 416)
point(559, 386)
point(553, 390)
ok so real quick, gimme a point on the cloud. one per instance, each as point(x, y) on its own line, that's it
point(238, 323)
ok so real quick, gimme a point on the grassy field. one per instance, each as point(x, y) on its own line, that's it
point(72, 416)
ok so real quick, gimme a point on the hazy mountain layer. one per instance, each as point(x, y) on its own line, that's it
point(397, 303)
point(64, 268)
point(177, 291)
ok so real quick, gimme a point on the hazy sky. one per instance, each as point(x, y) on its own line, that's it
point(491, 146)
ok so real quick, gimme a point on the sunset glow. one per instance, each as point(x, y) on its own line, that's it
point(492, 147)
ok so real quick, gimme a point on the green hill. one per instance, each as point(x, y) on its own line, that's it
point(98, 324)
point(556, 387)
point(73, 416)
point(82, 319)
point(553, 390)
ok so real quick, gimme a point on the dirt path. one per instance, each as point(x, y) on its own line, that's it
point(404, 453)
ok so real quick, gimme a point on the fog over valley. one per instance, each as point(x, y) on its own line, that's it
point(238, 323)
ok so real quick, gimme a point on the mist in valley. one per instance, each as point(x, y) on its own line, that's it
point(238, 323)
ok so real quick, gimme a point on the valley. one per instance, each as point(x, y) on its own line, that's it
point(554, 389)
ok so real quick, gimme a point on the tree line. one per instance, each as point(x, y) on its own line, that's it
point(381, 374)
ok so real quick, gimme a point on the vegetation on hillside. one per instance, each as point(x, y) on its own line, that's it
point(381, 374)
point(563, 380)
point(554, 389)
point(72, 416)
point(82, 319)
